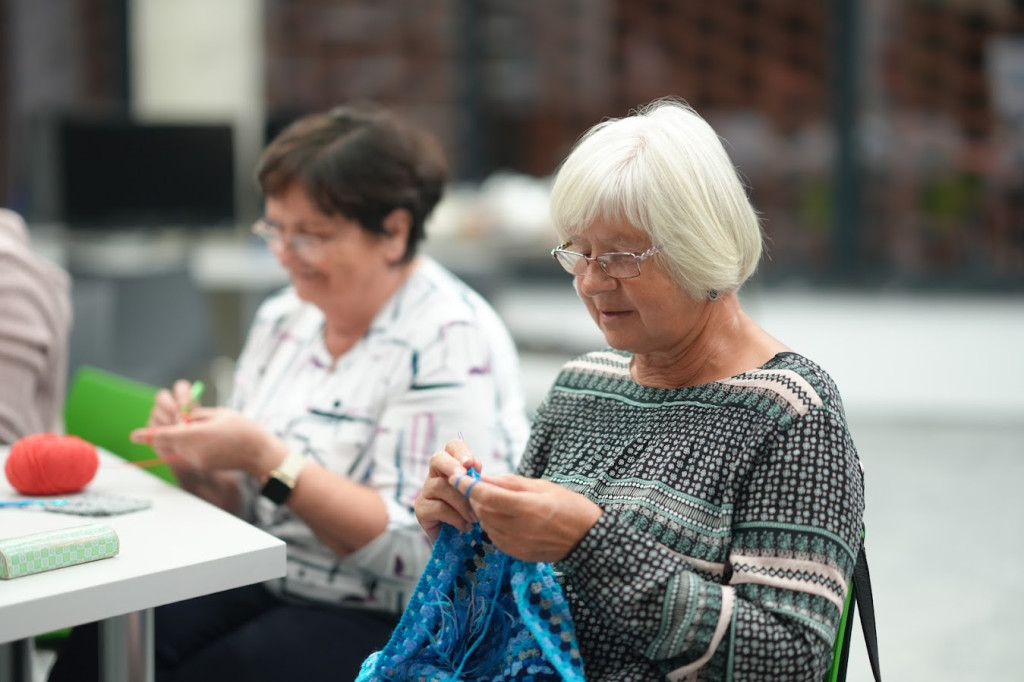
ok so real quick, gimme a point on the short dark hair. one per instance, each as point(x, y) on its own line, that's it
point(361, 161)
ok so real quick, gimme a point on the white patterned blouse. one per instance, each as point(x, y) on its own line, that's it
point(437, 363)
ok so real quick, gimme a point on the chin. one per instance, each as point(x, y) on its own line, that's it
point(617, 341)
point(308, 288)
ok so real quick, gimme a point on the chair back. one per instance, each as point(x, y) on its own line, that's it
point(840, 653)
point(859, 595)
point(103, 408)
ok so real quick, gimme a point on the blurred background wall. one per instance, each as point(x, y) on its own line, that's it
point(882, 141)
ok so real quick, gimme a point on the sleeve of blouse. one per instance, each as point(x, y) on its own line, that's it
point(27, 348)
point(774, 615)
point(453, 391)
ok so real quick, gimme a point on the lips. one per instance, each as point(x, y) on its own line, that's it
point(612, 315)
point(304, 274)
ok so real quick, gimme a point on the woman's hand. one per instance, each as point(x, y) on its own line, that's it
point(213, 439)
point(438, 502)
point(169, 407)
point(530, 519)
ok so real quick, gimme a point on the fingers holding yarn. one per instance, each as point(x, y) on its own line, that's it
point(142, 436)
point(165, 409)
point(464, 482)
point(458, 494)
point(174, 405)
point(161, 439)
point(460, 451)
point(182, 393)
point(439, 503)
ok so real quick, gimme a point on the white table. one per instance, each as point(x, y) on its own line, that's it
point(181, 547)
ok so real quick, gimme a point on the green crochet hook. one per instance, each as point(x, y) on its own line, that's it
point(197, 392)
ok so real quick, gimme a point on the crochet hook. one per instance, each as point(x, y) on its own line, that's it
point(197, 392)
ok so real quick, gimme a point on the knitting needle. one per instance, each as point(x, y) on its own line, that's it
point(155, 461)
point(146, 463)
point(29, 503)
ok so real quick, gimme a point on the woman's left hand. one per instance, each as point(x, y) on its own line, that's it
point(530, 519)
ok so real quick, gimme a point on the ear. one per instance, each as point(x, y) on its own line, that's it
point(397, 225)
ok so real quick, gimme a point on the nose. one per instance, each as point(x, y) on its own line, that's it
point(278, 247)
point(594, 280)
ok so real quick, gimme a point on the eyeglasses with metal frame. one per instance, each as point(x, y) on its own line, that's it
point(306, 246)
point(619, 264)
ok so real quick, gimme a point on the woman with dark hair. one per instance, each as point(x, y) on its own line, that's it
point(350, 378)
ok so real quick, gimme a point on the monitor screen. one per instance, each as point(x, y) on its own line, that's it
point(115, 174)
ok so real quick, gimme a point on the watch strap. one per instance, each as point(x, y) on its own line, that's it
point(282, 478)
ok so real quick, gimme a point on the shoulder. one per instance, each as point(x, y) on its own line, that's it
point(602, 372)
point(284, 310)
point(434, 301)
point(438, 288)
point(280, 304)
point(31, 286)
point(799, 382)
point(20, 267)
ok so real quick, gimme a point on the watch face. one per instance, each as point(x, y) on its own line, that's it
point(276, 491)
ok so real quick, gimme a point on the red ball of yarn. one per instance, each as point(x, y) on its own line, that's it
point(51, 464)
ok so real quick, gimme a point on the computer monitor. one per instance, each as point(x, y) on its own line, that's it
point(114, 174)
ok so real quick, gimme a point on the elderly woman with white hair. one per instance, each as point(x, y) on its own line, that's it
point(695, 485)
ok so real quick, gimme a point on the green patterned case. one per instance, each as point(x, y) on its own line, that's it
point(55, 549)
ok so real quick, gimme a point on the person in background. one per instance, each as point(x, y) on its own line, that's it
point(695, 484)
point(35, 320)
point(349, 379)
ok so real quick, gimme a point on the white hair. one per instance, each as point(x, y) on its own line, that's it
point(664, 170)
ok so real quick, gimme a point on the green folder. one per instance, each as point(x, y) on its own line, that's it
point(103, 408)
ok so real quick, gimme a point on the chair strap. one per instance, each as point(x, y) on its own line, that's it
point(862, 597)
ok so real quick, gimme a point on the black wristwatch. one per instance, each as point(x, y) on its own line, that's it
point(281, 481)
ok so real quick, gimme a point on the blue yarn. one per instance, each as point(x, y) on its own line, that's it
point(480, 615)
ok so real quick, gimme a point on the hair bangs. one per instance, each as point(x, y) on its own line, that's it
point(602, 179)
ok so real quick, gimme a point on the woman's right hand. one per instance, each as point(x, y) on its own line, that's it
point(169, 405)
point(168, 408)
point(438, 502)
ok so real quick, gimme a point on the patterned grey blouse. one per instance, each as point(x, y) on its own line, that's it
point(733, 513)
point(436, 363)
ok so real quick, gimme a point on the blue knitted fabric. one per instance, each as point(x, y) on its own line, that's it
point(483, 616)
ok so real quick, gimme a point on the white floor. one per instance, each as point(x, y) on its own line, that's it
point(944, 523)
